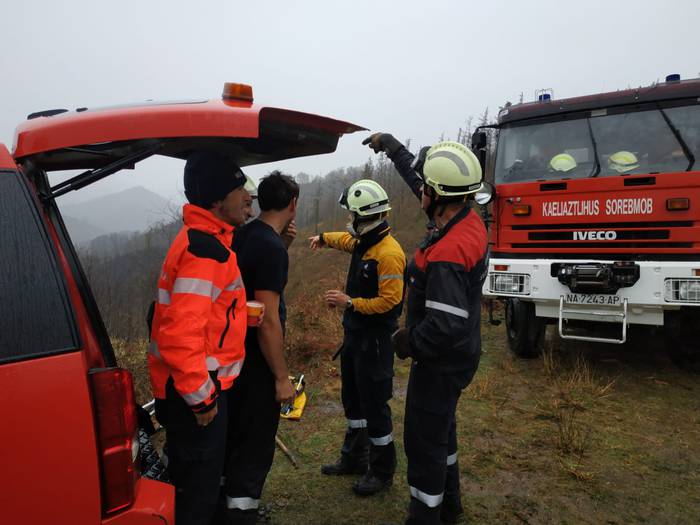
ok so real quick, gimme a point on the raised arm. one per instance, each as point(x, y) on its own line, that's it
point(400, 156)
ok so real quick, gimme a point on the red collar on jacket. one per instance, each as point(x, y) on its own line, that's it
point(204, 220)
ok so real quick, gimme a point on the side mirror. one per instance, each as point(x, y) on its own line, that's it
point(485, 195)
point(479, 140)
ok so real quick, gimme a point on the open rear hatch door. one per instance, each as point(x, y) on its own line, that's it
point(106, 140)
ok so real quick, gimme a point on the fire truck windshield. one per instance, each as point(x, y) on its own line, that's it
point(623, 143)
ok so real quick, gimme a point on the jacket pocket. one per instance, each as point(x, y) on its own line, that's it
point(230, 314)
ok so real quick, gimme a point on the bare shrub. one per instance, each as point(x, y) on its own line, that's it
point(572, 436)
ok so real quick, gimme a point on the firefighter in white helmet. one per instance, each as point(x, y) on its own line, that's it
point(442, 333)
point(372, 304)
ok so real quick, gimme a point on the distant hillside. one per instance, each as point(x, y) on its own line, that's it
point(135, 209)
point(81, 231)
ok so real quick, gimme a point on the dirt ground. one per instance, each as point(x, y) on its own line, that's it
point(588, 433)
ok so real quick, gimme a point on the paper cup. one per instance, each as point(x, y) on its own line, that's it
point(255, 310)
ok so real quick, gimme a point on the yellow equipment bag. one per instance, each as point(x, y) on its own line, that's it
point(294, 410)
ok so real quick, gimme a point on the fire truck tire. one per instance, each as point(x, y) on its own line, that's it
point(524, 329)
point(682, 338)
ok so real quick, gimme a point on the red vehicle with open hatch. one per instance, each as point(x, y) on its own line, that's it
point(69, 448)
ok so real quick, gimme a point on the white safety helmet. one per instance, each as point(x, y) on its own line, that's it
point(452, 170)
point(365, 197)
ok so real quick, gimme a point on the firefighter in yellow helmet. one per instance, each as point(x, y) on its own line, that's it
point(372, 304)
point(443, 320)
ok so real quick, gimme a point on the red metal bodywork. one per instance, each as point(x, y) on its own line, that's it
point(6, 160)
point(528, 234)
point(50, 472)
point(154, 505)
point(545, 235)
point(640, 95)
point(213, 118)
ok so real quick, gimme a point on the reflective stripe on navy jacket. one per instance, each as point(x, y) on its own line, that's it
point(444, 288)
point(375, 280)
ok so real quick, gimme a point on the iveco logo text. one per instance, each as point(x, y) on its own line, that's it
point(595, 236)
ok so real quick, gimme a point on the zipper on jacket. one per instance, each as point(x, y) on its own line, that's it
point(230, 311)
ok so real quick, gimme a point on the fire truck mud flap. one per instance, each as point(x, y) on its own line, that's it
point(617, 314)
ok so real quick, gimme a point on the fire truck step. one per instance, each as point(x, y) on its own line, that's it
point(621, 315)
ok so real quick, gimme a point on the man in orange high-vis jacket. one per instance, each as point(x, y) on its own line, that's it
point(198, 332)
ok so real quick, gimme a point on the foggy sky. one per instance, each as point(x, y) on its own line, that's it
point(415, 69)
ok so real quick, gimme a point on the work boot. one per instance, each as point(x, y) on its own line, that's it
point(370, 484)
point(345, 466)
point(451, 515)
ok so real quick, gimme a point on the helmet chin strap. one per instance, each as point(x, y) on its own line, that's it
point(432, 208)
point(437, 206)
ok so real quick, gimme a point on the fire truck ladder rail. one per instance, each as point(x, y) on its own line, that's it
point(621, 315)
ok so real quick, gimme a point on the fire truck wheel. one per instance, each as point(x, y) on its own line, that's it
point(682, 338)
point(524, 329)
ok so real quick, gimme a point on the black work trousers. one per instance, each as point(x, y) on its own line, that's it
point(195, 456)
point(254, 416)
point(430, 440)
point(367, 369)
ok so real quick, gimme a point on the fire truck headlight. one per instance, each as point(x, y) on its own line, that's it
point(510, 283)
point(690, 291)
point(682, 290)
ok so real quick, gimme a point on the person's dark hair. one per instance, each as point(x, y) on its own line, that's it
point(276, 191)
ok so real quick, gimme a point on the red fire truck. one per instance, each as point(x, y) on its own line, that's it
point(596, 217)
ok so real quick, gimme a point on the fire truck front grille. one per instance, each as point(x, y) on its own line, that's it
point(622, 235)
point(606, 236)
point(602, 244)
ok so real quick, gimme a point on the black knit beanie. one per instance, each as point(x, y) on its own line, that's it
point(209, 177)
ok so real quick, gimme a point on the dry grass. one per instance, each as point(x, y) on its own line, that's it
point(550, 362)
point(132, 355)
point(574, 389)
point(483, 386)
point(572, 435)
point(576, 470)
point(549, 441)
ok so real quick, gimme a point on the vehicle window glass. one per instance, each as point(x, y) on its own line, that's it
point(36, 318)
point(625, 144)
point(639, 142)
point(526, 152)
point(687, 121)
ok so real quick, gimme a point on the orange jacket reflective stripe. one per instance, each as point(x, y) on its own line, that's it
point(199, 323)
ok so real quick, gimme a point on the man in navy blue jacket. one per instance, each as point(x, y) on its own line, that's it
point(442, 332)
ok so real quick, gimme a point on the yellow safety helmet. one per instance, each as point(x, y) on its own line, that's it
point(365, 197)
point(451, 169)
point(623, 161)
point(562, 162)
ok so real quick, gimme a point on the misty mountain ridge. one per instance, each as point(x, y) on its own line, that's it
point(130, 210)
